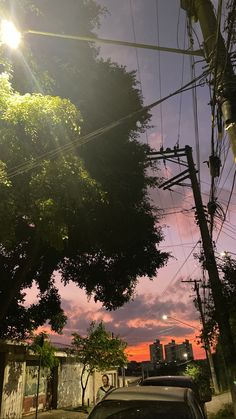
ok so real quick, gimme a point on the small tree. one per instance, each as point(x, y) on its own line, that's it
point(98, 350)
point(200, 374)
point(46, 353)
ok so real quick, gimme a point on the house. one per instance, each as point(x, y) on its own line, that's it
point(58, 388)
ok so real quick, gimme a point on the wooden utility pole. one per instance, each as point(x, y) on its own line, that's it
point(207, 345)
point(222, 314)
point(219, 61)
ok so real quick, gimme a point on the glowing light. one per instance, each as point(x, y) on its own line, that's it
point(9, 34)
point(164, 317)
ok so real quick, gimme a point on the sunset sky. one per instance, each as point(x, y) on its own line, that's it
point(140, 321)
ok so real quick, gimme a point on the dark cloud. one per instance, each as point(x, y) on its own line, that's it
point(138, 321)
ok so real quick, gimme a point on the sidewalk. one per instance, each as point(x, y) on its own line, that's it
point(218, 402)
point(59, 414)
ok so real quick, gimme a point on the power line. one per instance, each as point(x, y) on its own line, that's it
point(24, 167)
point(159, 68)
point(230, 196)
point(136, 53)
point(175, 275)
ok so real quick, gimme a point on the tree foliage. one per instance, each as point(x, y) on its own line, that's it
point(83, 210)
point(43, 348)
point(227, 269)
point(98, 350)
point(200, 374)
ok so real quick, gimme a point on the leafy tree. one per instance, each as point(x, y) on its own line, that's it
point(199, 372)
point(42, 347)
point(98, 350)
point(37, 206)
point(227, 267)
point(85, 211)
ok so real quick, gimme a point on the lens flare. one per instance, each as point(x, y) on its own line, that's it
point(9, 34)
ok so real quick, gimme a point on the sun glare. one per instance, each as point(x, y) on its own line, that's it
point(9, 34)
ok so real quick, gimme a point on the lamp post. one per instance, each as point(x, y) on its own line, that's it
point(165, 317)
point(12, 37)
point(207, 350)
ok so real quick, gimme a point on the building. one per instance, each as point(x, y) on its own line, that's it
point(171, 351)
point(185, 350)
point(156, 352)
point(175, 352)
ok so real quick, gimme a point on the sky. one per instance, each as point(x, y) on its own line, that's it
point(162, 22)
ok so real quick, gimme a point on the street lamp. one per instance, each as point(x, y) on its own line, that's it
point(226, 253)
point(12, 37)
point(165, 317)
point(9, 35)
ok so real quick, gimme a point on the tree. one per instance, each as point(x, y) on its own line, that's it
point(46, 354)
point(98, 350)
point(85, 212)
point(227, 267)
point(37, 206)
point(200, 374)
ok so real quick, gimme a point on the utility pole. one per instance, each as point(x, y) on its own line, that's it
point(219, 62)
point(207, 345)
point(222, 314)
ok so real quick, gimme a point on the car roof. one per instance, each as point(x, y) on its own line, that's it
point(160, 393)
point(178, 378)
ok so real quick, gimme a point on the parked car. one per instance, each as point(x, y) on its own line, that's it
point(148, 402)
point(180, 381)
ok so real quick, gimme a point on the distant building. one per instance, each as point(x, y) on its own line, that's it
point(185, 350)
point(175, 352)
point(171, 351)
point(156, 352)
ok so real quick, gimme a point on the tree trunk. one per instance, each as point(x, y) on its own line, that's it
point(86, 383)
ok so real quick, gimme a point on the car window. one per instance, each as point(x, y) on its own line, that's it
point(141, 410)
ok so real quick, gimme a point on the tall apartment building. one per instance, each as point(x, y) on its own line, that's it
point(175, 352)
point(156, 352)
point(171, 351)
point(185, 350)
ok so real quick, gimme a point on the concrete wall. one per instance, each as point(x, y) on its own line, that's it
point(19, 376)
point(30, 388)
point(13, 389)
point(69, 389)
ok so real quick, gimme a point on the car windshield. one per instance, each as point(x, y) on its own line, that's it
point(112, 409)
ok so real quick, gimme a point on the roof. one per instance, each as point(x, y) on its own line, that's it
point(160, 393)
